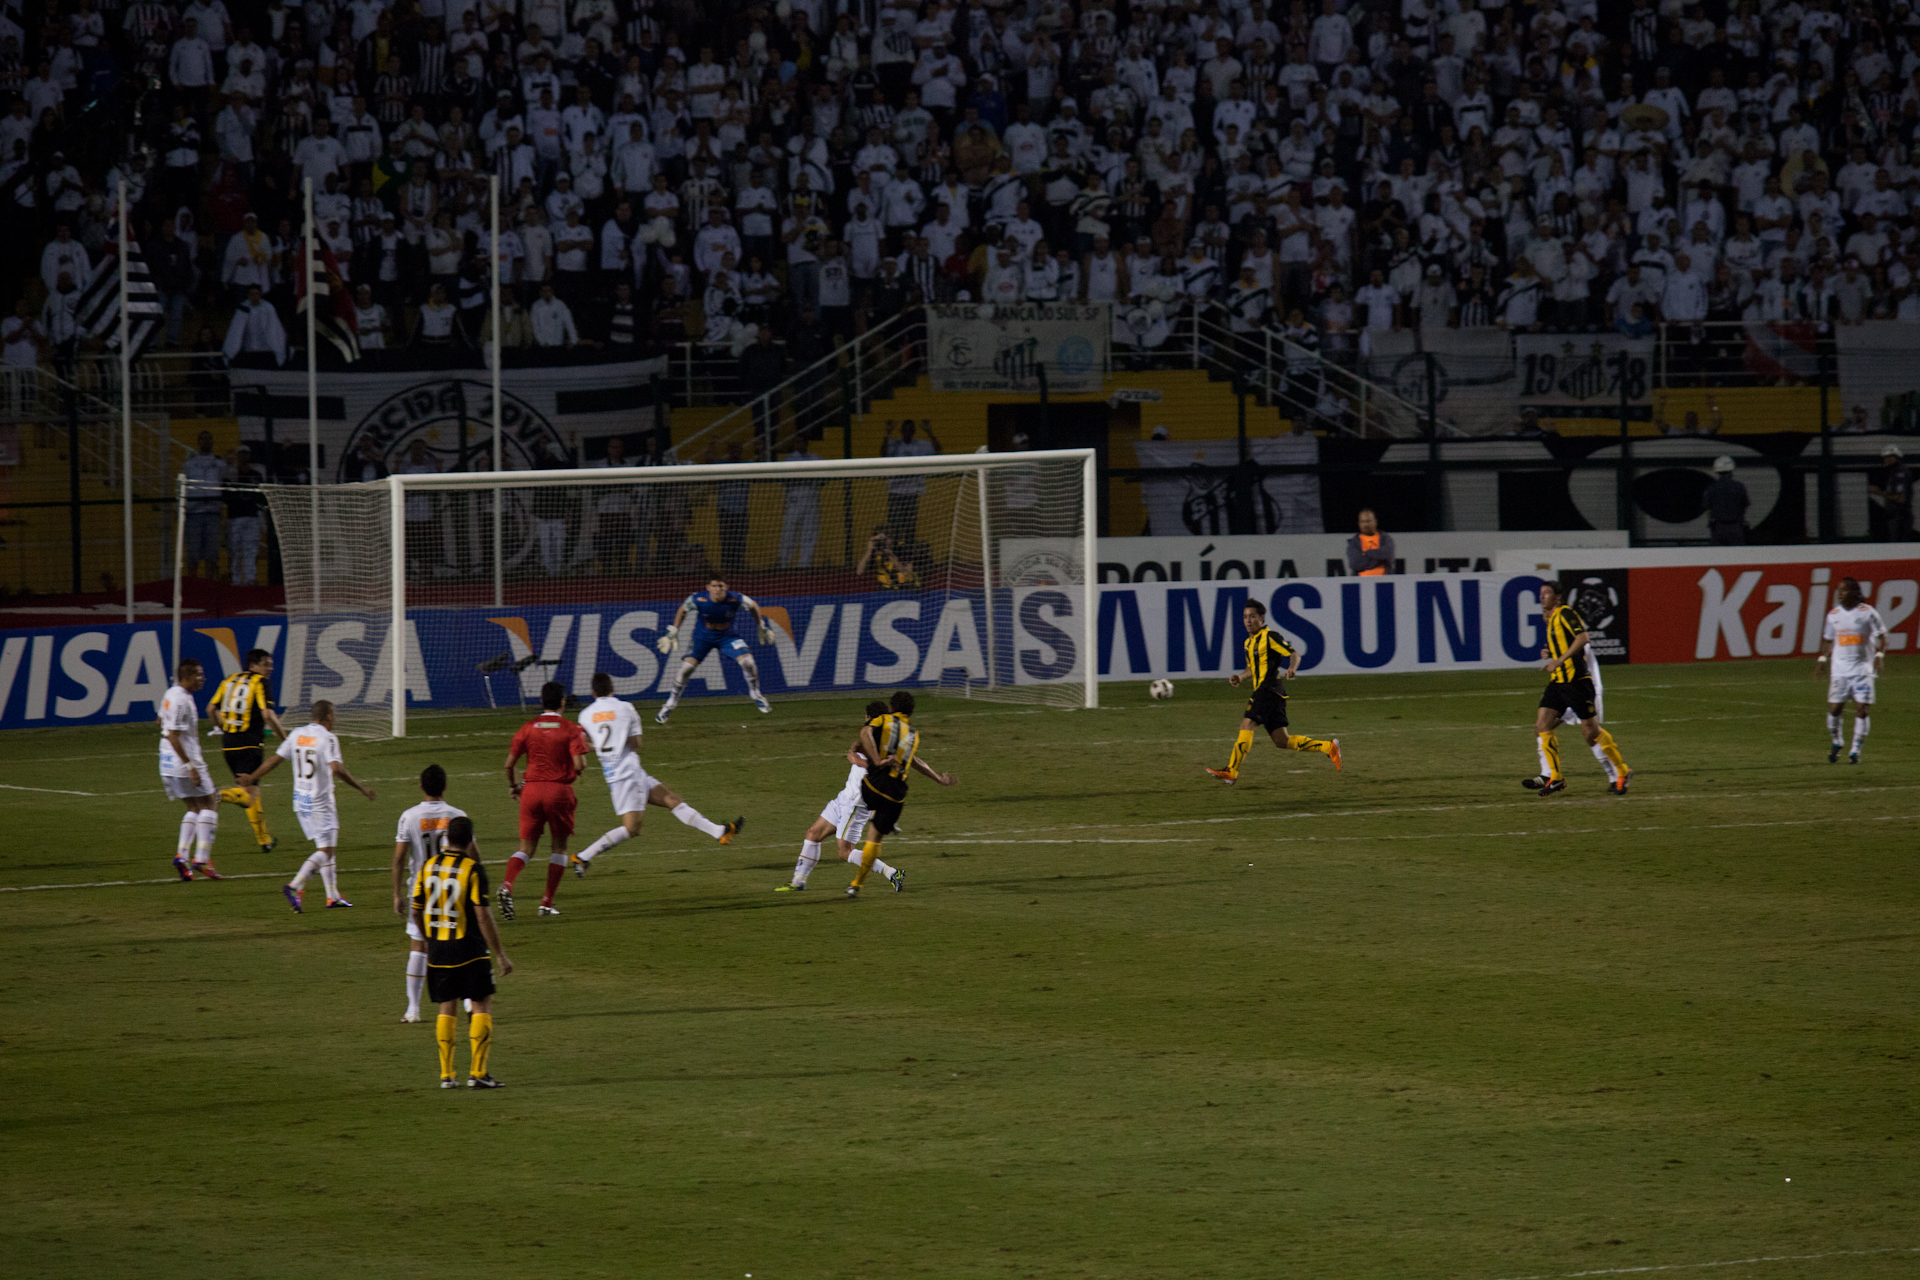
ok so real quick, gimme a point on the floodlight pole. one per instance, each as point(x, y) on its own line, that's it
point(313, 401)
point(499, 495)
point(126, 411)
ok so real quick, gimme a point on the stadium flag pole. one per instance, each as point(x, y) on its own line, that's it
point(1089, 574)
point(397, 595)
point(499, 496)
point(179, 550)
point(126, 411)
point(986, 576)
point(313, 397)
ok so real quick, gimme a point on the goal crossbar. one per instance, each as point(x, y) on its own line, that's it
point(399, 485)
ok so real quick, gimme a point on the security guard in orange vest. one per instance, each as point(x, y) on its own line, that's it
point(1370, 552)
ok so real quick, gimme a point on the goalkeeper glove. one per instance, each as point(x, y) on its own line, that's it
point(668, 642)
point(766, 633)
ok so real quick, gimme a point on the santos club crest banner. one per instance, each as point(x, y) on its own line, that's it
point(450, 411)
point(1002, 348)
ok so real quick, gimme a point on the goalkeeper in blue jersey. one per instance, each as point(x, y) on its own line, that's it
point(715, 627)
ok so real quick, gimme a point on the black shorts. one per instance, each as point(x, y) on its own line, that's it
point(1267, 709)
point(886, 813)
point(1575, 695)
point(470, 981)
point(243, 759)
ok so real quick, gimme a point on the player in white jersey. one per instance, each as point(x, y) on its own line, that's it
point(422, 835)
point(315, 754)
point(837, 820)
point(183, 772)
point(613, 727)
point(1855, 642)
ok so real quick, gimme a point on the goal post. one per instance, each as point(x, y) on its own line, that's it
point(970, 574)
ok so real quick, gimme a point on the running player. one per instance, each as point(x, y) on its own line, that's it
point(243, 708)
point(713, 613)
point(450, 911)
point(613, 728)
point(1855, 640)
point(893, 746)
point(554, 748)
point(183, 772)
point(834, 818)
point(422, 835)
point(315, 754)
point(1573, 694)
point(1266, 650)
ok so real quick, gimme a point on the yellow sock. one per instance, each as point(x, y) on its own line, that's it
point(235, 795)
point(1613, 752)
point(480, 1040)
point(868, 852)
point(1550, 756)
point(443, 1032)
point(1241, 745)
point(257, 819)
point(1301, 742)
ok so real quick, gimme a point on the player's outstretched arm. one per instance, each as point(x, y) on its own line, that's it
point(944, 779)
point(340, 772)
point(253, 779)
point(491, 932)
point(400, 877)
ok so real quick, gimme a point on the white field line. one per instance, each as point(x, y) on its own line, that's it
point(1733, 1262)
point(637, 853)
point(907, 839)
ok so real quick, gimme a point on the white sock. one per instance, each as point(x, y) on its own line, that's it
point(1833, 727)
point(691, 816)
point(680, 681)
point(604, 843)
point(416, 979)
point(753, 678)
point(878, 865)
point(189, 831)
point(330, 875)
point(556, 859)
point(314, 862)
point(1600, 754)
point(1859, 732)
point(209, 824)
point(809, 859)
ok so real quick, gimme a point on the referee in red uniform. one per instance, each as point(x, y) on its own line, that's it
point(554, 748)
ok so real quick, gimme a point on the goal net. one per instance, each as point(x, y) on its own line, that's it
point(449, 593)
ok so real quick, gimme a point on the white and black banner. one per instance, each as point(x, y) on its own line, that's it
point(1200, 503)
point(984, 347)
point(450, 411)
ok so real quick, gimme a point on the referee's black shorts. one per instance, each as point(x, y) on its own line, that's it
point(1572, 695)
point(242, 757)
point(1267, 709)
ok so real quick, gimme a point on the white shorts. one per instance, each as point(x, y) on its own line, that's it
point(853, 819)
point(1851, 686)
point(630, 790)
point(318, 823)
point(413, 930)
point(185, 788)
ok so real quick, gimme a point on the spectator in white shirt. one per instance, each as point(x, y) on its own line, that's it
point(552, 321)
point(190, 61)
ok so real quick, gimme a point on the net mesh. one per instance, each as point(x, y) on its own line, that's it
point(969, 579)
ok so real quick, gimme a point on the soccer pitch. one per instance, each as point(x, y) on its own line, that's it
point(1405, 1020)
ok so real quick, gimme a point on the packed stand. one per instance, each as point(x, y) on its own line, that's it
point(676, 175)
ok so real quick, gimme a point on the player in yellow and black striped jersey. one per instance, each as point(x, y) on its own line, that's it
point(450, 910)
point(1271, 662)
point(1571, 694)
point(892, 746)
point(242, 706)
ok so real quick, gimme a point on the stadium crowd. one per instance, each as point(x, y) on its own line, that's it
point(675, 173)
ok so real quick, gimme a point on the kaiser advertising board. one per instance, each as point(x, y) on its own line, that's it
point(118, 673)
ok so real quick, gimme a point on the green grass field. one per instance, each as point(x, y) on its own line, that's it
point(1400, 1021)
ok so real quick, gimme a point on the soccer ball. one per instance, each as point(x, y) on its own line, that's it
point(1161, 690)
